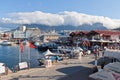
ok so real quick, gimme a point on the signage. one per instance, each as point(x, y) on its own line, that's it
point(23, 65)
point(2, 69)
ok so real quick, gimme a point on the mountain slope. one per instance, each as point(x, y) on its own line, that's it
point(96, 26)
point(117, 29)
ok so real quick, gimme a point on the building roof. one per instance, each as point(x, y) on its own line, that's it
point(93, 32)
point(105, 32)
point(78, 33)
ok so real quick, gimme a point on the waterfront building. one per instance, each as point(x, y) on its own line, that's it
point(25, 33)
point(18, 34)
point(33, 32)
point(108, 38)
point(22, 28)
point(111, 35)
point(78, 37)
point(30, 32)
point(102, 38)
point(6, 35)
point(49, 37)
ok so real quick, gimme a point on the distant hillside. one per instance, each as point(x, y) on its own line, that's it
point(7, 27)
point(96, 26)
point(117, 29)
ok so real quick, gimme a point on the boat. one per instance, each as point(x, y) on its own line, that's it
point(37, 44)
point(45, 46)
point(6, 43)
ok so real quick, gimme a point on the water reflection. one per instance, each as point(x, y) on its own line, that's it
point(10, 55)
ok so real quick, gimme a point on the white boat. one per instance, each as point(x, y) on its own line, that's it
point(36, 43)
point(6, 43)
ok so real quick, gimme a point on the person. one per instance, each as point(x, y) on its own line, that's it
point(80, 54)
point(95, 53)
point(103, 51)
point(98, 52)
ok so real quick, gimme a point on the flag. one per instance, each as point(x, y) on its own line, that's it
point(31, 45)
point(21, 47)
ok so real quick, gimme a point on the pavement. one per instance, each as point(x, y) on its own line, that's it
point(69, 69)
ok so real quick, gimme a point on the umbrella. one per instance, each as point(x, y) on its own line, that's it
point(48, 52)
point(113, 66)
point(105, 75)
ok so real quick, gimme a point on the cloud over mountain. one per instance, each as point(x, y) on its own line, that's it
point(62, 18)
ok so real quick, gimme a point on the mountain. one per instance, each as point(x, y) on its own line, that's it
point(96, 26)
point(117, 29)
point(7, 27)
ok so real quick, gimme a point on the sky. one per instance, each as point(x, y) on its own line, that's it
point(108, 8)
point(61, 11)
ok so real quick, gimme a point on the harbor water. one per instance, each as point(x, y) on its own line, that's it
point(10, 56)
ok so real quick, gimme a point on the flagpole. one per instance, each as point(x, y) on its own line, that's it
point(30, 46)
point(19, 53)
point(29, 57)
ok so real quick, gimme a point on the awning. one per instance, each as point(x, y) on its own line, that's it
point(48, 52)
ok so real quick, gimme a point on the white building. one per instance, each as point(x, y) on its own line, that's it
point(18, 34)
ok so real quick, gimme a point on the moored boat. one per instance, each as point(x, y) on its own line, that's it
point(6, 43)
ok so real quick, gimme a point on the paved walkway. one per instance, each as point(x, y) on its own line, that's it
point(59, 71)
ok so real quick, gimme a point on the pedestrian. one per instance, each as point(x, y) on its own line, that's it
point(103, 51)
point(98, 52)
point(80, 54)
point(95, 53)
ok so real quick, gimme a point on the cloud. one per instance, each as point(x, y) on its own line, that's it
point(36, 17)
point(62, 18)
